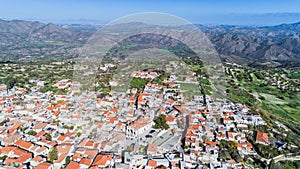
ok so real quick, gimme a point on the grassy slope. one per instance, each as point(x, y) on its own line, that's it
point(266, 97)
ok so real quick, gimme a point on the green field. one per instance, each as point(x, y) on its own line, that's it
point(259, 87)
point(189, 86)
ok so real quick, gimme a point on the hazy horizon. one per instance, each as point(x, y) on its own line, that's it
point(218, 12)
point(266, 19)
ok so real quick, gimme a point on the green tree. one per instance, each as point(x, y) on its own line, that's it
point(3, 157)
point(48, 137)
point(137, 82)
point(53, 155)
point(32, 132)
point(68, 160)
point(160, 122)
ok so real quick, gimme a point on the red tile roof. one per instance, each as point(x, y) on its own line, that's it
point(86, 162)
point(23, 144)
point(102, 159)
point(211, 143)
point(73, 165)
point(262, 137)
point(152, 163)
point(152, 148)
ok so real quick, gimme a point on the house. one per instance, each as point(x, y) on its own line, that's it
point(62, 84)
point(171, 120)
point(245, 147)
point(139, 126)
point(88, 144)
point(73, 165)
point(151, 149)
point(39, 126)
point(143, 99)
point(242, 127)
point(46, 143)
point(63, 151)
point(85, 163)
point(151, 164)
point(23, 144)
point(36, 161)
point(221, 136)
point(210, 143)
point(61, 139)
point(43, 151)
point(15, 155)
point(83, 153)
point(262, 138)
point(227, 120)
point(44, 165)
point(103, 160)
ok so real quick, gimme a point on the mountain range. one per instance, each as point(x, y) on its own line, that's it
point(272, 46)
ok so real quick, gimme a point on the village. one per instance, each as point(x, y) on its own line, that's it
point(154, 127)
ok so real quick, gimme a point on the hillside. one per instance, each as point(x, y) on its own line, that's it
point(272, 46)
point(23, 40)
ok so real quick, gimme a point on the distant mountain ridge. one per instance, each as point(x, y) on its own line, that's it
point(256, 46)
point(26, 40)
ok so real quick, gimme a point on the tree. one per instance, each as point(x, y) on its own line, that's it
point(3, 157)
point(186, 147)
point(161, 123)
point(233, 144)
point(48, 137)
point(78, 134)
point(67, 161)
point(56, 122)
point(53, 155)
point(32, 132)
point(137, 82)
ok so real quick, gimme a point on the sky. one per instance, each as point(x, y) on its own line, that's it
point(235, 12)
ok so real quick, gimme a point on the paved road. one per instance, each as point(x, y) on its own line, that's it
point(187, 124)
point(287, 157)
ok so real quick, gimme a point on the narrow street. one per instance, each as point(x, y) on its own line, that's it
point(187, 122)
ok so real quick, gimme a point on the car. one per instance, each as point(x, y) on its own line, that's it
point(152, 131)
